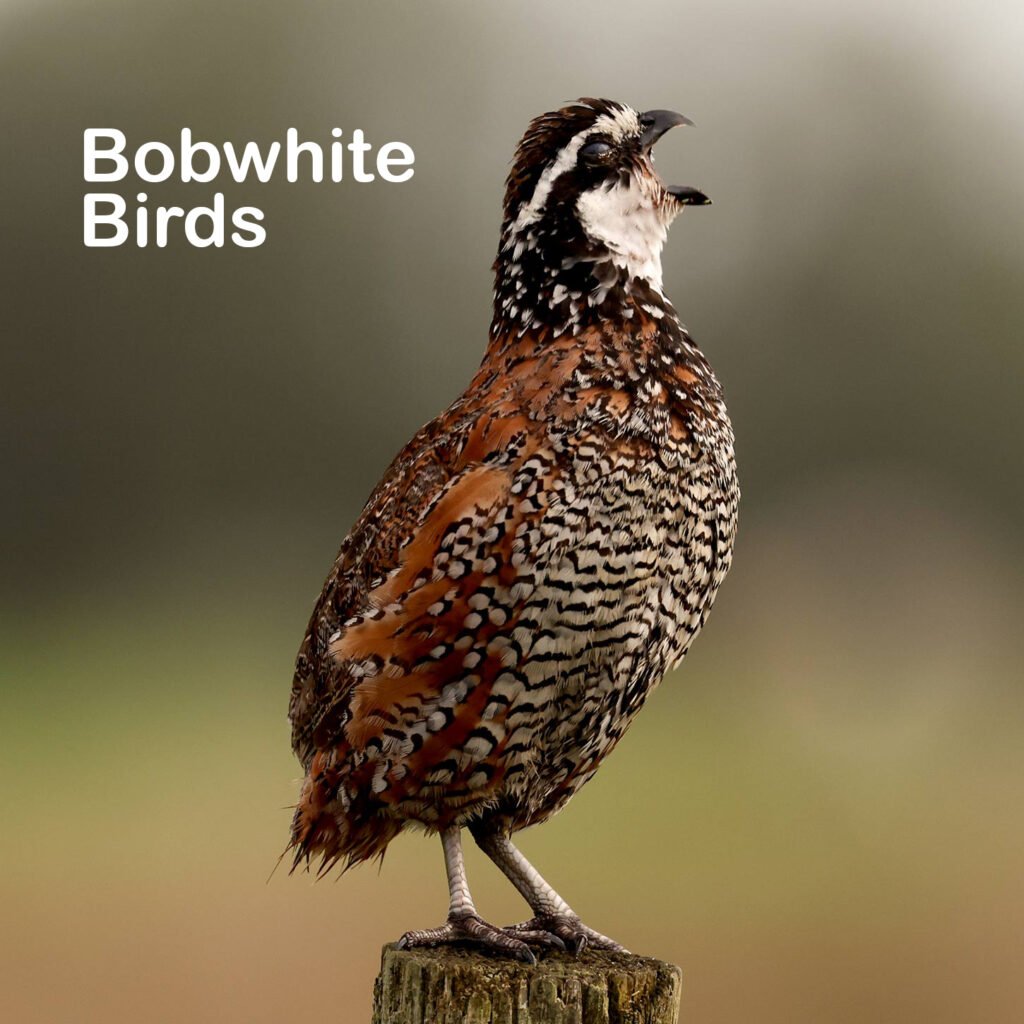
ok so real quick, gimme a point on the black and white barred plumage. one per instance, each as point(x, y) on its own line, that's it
point(537, 557)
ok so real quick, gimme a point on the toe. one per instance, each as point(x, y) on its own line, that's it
point(480, 933)
point(470, 930)
point(595, 940)
point(536, 937)
point(569, 931)
point(427, 937)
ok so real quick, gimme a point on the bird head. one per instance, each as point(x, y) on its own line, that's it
point(584, 204)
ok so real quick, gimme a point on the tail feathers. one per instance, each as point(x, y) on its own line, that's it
point(334, 829)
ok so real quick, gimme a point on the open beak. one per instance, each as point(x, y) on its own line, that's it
point(655, 123)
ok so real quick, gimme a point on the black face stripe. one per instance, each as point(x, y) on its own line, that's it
point(545, 138)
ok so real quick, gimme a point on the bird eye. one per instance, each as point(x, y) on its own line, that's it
point(595, 151)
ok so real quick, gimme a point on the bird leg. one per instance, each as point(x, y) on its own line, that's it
point(464, 924)
point(552, 915)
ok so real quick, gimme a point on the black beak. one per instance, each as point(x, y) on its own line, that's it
point(655, 123)
point(688, 196)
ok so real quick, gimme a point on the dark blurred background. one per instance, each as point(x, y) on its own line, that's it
point(820, 816)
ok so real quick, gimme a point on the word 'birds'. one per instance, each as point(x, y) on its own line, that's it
point(538, 556)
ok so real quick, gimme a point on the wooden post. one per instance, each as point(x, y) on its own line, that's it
point(458, 986)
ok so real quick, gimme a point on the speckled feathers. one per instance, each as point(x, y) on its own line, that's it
point(540, 554)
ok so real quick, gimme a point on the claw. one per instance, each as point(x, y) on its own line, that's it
point(471, 930)
point(526, 956)
point(569, 931)
point(540, 938)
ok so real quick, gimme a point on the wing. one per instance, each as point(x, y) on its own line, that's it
point(443, 533)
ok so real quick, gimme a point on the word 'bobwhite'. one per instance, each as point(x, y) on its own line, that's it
point(536, 558)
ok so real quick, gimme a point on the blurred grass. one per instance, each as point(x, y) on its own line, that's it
point(794, 871)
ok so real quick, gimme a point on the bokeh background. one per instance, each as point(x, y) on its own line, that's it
point(820, 816)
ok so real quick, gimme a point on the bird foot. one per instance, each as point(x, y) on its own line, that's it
point(469, 929)
point(568, 929)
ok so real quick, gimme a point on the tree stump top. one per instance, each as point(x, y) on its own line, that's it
point(459, 986)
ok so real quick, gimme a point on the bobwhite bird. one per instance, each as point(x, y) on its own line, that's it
point(538, 556)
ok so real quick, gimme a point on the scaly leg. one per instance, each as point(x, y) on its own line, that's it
point(464, 924)
point(553, 915)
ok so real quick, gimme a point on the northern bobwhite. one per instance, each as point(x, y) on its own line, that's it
point(538, 556)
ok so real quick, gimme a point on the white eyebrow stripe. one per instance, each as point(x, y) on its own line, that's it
point(620, 124)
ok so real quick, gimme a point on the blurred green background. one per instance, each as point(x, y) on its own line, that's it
point(819, 817)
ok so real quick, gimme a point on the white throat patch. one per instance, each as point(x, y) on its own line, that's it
point(631, 223)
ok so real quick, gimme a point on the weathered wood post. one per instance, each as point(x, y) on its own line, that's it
point(456, 986)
